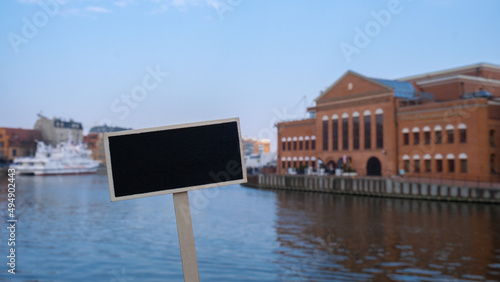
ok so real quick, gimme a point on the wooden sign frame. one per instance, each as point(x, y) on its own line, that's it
point(109, 159)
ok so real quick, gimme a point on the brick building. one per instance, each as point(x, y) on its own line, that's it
point(95, 141)
point(256, 146)
point(17, 142)
point(439, 125)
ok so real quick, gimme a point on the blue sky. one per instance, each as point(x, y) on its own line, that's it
point(150, 63)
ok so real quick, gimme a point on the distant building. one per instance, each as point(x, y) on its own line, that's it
point(442, 124)
point(95, 141)
point(256, 146)
point(17, 142)
point(55, 131)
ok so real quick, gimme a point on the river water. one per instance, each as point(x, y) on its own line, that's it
point(68, 230)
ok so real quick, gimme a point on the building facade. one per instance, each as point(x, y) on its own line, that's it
point(17, 142)
point(256, 146)
point(55, 131)
point(436, 125)
point(95, 141)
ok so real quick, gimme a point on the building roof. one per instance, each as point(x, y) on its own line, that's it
point(402, 89)
point(67, 124)
point(19, 136)
point(105, 128)
point(453, 70)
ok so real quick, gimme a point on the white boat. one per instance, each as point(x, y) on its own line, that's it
point(66, 158)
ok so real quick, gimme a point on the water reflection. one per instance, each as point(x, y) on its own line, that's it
point(69, 231)
point(325, 236)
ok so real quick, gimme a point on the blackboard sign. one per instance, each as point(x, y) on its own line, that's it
point(171, 159)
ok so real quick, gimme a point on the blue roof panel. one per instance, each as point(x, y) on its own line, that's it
point(402, 89)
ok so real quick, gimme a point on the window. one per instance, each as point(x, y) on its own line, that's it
point(294, 163)
point(325, 135)
point(313, 144)
point(463, 135)
point(313, 164)
point(295, 145)
point(417, 165)
point(14, 152)
point(492, 163)
point(300, 164)
point(307, 144)
point(463, 165)
point(345, 133)
point(355, 128)
point(492, 138)
point(289, 163)
point(335, 130)
point(1, 144)
point(368, 132)
point(427, 137)
point(449, 133)
point(283, 164)
point(439, 165)
point(283, 146)
point(289, 145)
point(406, 138)
point(407, 165)
point(301, 145)
point(427, 164)
point(416, 138)
point(451, 165)
point(380, 130)
point(439, 138)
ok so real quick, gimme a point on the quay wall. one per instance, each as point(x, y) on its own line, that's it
point(375, 186)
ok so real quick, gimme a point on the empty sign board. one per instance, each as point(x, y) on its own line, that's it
point(171, 159)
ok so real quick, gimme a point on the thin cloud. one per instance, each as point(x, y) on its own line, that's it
point(123, 3)
point(97, 9)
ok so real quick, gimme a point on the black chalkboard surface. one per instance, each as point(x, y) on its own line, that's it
point(170, 159)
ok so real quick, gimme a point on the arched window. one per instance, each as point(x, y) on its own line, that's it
point(450, 133)
point(355, 130)
point(439, 162)
point(294, 143)
point(313, 142)
point(335, 132)
point(427, 162)
point(289, 140)
point(283, 142)
point(416, 135)
point(416, 163)
point(427, 135)
point(462, 130)
point(406, 163)
point(345, 131)
point(406, 136)
point(307, 142)
point(451, 162)
point(379, 120)
point(368, 129)
point(439, 135)
point(325, 133)
point(463, 163)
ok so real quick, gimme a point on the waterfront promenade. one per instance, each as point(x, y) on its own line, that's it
point(396, 187)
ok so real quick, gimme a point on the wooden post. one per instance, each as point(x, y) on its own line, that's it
point(186, 237)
